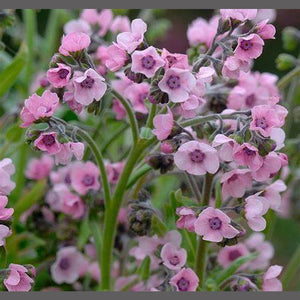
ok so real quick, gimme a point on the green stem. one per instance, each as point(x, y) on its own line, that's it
point(194, 187)
point(291, 269)
point(200, 264)
point(111, 214)
point(138, 174)
point(285, 80)
point(132, 119)
point(151, 115)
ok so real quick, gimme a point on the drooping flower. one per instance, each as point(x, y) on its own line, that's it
point(214, 225)
point(177, 83)
point(114, 170)
point(118, 109)
point(173, 258)
point(18, 279)
point(4, 233)
point(84, 177)
point(7, 168)
point(249, 47)
point(116, 57)
point(73, 42)
point(272, 194)
point(266, 31)
point(163, 124)
point(37, 107)
point(88, 86)
point(39, 168)
point(47, 142)
point(60, 76)
point(271, 283)
point(187, 218)
point(239, 14)
point(146, 62)
point(72, 205)
point(197, 158)
point(185, 280)
point(137, 93)
point(67, 151)
point(68, 265)
point(5, 213)
point(130, 40)
point(227, 146)
point(90, 16)
point(175, 60)
point(233, 66)
point(229, 254)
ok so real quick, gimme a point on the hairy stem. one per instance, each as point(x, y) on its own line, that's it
point(285, 80)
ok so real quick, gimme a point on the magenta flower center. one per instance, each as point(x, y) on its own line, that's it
point(233, 178)
point(64, 263)
point(197, 156)
point(174, 260)
point(171, 60)
point(173, 82)
point(234, 254)
point(88, 180)
point(261, 122)
point(142, 97)
point(183, 284)
point(215, 223)
point(246, 45)
point(87, 83)
point(148, 62)
point(48, 140)
point(249, 152)
point(250, 100)
point(63, 73)
point(67, 179)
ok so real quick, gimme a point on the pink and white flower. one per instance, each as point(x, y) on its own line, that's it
point(4, 233)
point(39, 168)
point(271, 283)
point(73, 42)
point(47, 141)
point(239, 14)
point(163, 124)
point(59, 76)
point(7, 168)
point(116, 57)
point(185, 280)
point(5, 213)
point(67, 151)
point(229, 254)
point(175, 60)
point(173, 258)
point(187, 218)
point(249, 47)
point(272, 194)
point(120, 24)
point(227, 146)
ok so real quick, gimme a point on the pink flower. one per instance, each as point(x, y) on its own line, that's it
point(227, 146)
point(90, 16)
point(84, 177)
point(197, 158)
point(201, 31)
point(5, 213)
point(173, 258)
point(190, 107)
point(94, 271)
point(39, 168)
point(271, 283)
point(73, 42)
point(214, 225)
point(137, 93)
point(72, 205)
point(233, 66)
point(266, 31)
point(186, 219)
point(229, 254)
point(177, 83)
point(175, 60)
point(37, 107)
point(104, 20)
point(60, 76)
point(185, 280)
point(235, 183)
point(278, 136)
point(77, 26)
point(69, 98)
point(267, 117)
point(247, 155)
point(88, 86)
point(256, 206)
point(18, 280)
point(249, 47)
point(118, 109)
point(7, 168)
point(54, 197)
point(120, 24)
point(272, 194)
point(130, 40)
point(206, 74)
point(256, 242)
point(67, 150)
point(163, 124)
point(47, 142)
point(4, 233)
point(116, 58)
point(270, 167)
point(146, 62)
point(68, 265)
point(239, 14)
point(114, 170)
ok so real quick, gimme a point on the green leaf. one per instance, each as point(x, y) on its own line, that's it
point(14, 133)
point(223, 275)
point(144, 269)
point(158, 226)
point(29, 198)
point(3, 257)
point(10, 74)
point(84, 233)
point(146, 133)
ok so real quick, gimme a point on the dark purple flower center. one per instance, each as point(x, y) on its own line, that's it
point(64, 263)
point(87, 83)
point(48, 140)
point(249, 152)
point(63, 73)
point(250, 100)
point(183, 284)
point(215, 223)
point(234, 254)
point(246, 45)
point(142, 97)
point(148, 62)
point(68, 179)
point(197, 156)
point(262, 123)
point(174, 260)
point(233, 178)
point(173, 82)
point(171, 60)
point(88, 180)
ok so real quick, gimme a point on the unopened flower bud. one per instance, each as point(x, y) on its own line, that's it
point(265, 146)
point(161, 161)
point(290, 38)
point(95, 107)
point(223, 26)
point(135, 77)
point(243, 284)
point(285, 61)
